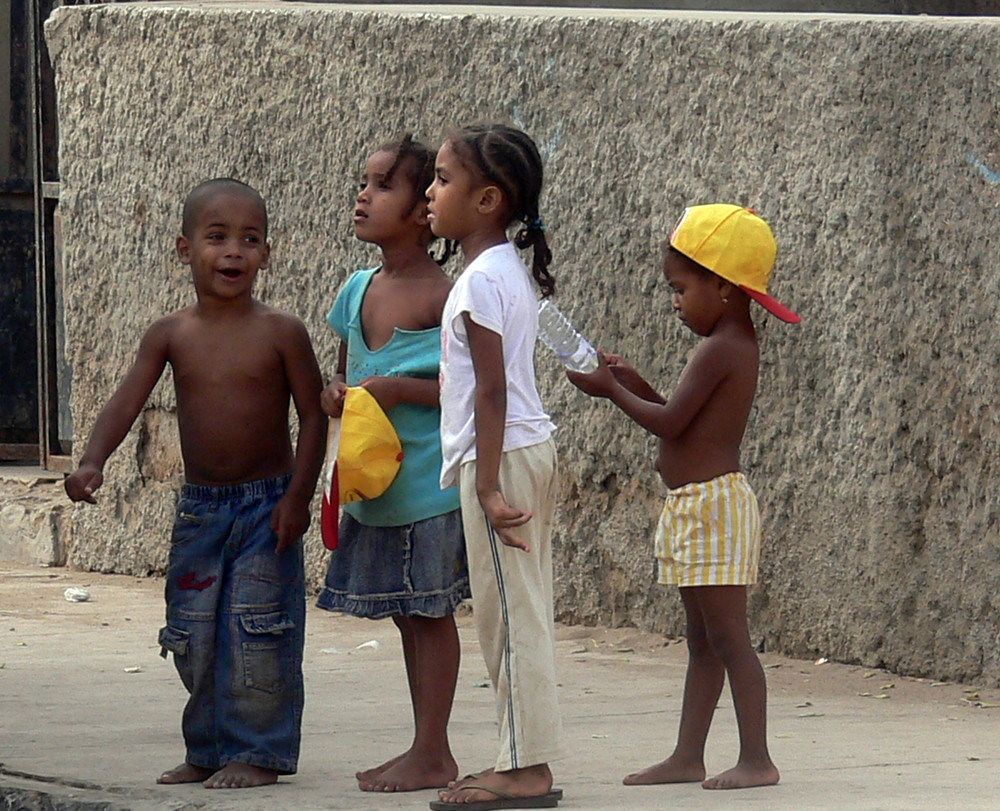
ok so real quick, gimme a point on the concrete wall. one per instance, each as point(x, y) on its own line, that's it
point(870, 144)
point(940, 7)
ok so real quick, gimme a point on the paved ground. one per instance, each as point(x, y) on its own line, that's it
point(89, 715)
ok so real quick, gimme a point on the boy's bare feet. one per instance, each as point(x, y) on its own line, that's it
point(241, 775)
point(744, 776)
point(410, 772)
point(671, 770)
point(185, 773)
point(370, 774)
point(533, 781)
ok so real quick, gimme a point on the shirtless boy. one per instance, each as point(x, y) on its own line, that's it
point(235, 587)
point(708, 538)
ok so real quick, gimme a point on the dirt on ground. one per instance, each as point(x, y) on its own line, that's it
point(32, 594)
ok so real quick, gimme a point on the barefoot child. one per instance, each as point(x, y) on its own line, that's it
point(498, 448)
point(708, 538)
point(402, 555)
point(235, 586)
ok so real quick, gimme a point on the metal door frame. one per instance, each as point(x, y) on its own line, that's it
point(42, 138)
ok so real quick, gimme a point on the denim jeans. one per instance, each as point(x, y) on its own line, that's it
point(236, 627)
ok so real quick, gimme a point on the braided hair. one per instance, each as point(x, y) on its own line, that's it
point(508, 157)
point(417, 162)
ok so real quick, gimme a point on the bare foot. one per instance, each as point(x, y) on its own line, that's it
point(533, 781)
point(185, 773)
point(744, 776)
point(371, 774)
point(241, 775)
point(671, 770)
point(411, 772)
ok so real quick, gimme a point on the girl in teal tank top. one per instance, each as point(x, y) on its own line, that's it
point(402, 555)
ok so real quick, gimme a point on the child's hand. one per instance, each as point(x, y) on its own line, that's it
point(616, 363)
point(289, 521)
point(383, 389)
point(332, 398)
point(597, 383)
point(83, 483)
point(504, 517)
point(624, 372)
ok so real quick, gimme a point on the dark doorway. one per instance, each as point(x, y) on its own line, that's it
point(35, 421)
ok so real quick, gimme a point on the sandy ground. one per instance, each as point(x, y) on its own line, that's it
point(88, 708)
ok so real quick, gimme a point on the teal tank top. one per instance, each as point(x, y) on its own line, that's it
point(415, 493)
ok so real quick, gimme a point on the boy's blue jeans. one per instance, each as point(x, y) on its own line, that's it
point(236, 627)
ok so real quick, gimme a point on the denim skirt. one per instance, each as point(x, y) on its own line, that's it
point(417, 569)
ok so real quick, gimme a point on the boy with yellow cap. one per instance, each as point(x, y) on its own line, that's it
point(719, 257)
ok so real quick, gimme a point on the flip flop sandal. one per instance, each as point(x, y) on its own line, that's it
point(502, 800)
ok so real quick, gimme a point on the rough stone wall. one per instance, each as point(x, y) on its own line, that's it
point(34, 519)
point(870, 144)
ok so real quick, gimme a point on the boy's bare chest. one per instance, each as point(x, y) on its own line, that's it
point(226, 360)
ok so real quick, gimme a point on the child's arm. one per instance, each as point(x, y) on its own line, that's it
point(388, 391)
point(117, 416)
point(626, 374)
point(667, 420)
point(391, 391)
point(332, 398)
point(290, 518)
point(486, 347)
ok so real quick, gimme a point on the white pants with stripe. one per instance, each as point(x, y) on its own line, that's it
point(512, 605)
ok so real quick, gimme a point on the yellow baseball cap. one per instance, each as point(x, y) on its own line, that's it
point(370, 453)
point(734, 243)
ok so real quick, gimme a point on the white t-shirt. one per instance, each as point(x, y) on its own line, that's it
point(498, 293)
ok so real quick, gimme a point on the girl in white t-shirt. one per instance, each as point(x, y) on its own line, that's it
point(496, 442)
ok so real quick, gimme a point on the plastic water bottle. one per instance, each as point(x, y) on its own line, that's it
point(559, 335)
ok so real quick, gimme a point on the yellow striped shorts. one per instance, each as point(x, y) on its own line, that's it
point(709, 534)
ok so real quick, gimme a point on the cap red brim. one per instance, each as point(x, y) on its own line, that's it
point(330, 514)
point(772, 306)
